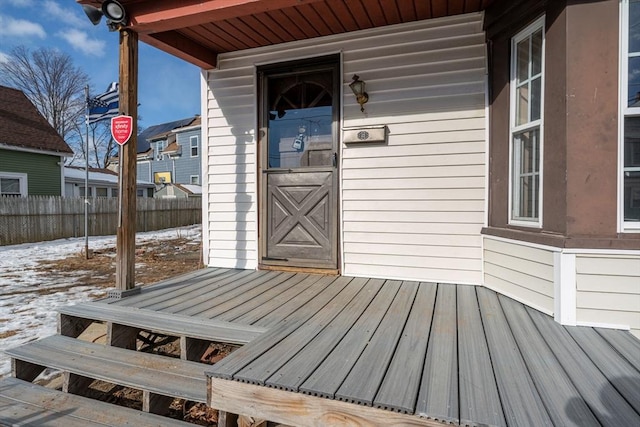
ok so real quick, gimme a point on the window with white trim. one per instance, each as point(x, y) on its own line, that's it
point(13, 184)
point(630, 114)
point(194, 179)
point(194, 146)
point(527, 83)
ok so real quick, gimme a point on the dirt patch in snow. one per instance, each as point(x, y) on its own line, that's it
point(155, 261)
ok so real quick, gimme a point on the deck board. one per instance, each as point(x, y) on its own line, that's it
point(301, 366)
point(227, 288)
point(245, 301)
point(26, 404)
point(401, 383)
point(362, 383)
point(275, 304)
point(295, 305)
point(615, 368)
point(479, 398)
point(520, 399)
point(604, 400)
point(192, 280)
point(330, 374)
point(240, 358)
point(154, 373)
point(624, 343)
point(562, 400)
point(159, 300)
point(260, 370)
point(438, 393)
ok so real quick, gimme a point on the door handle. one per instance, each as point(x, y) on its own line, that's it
point(335, 160)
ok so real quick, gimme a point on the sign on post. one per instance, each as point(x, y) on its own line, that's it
point(121, 128)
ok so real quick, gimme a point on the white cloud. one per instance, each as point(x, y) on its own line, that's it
point(4, 57)
point(12, 27)
point(79, 40)
point(68, 16)
point(20, 3)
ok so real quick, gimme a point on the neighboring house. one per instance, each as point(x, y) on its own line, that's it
point(498, 147)
point(102, 183)
point(32, 153)
point(178, 191)
point(170, 153)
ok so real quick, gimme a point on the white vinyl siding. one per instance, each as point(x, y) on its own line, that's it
point(608, 290)
point(412, 208)
point(521, 272)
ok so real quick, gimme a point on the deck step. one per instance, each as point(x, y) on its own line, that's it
point(159, 322)
point(157, 376)
point(26, 404)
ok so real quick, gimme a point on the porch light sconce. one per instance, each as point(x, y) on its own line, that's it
point(112, 10)
point(357, 86)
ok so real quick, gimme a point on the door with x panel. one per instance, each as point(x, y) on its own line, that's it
point(299, 166)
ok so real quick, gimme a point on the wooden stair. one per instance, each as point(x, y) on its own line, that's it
point(26, 404)
point(160, 378)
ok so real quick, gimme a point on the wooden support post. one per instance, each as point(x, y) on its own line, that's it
point(126, 233)
point(25, 371)
point(227, 419)
point(247, 421)
point(192, 348)
point(122, 336)
point(156, 403)
point(76, 384)
point(72, 326)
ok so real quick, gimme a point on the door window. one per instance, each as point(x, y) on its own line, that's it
point(300, 120)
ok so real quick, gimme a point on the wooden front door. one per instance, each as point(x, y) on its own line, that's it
point(299, 120)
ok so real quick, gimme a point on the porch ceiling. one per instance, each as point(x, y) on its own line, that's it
point(197, 31)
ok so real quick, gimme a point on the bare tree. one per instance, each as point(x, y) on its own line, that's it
point(52, 82)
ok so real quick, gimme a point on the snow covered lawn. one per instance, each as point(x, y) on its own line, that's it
point(29, 296)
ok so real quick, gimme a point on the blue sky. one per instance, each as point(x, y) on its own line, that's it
point(168, 87)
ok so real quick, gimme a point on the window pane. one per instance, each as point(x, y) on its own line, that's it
point(634, 26)
point(526, 174)
point(536, 98)
point(101, 192)
point(527, 198)
point(536, 52)
point(522, 105)
point(634, 82)
point(632, 169)
point(300, 123)
point(9, 186)
point(522, 66)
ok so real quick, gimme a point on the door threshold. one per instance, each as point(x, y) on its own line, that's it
point(310, 270)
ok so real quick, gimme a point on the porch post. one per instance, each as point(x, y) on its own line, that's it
point(126, 234)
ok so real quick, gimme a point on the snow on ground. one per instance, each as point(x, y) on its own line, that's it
point(27, 305)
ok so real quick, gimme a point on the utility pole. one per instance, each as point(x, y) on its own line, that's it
point(126, 234)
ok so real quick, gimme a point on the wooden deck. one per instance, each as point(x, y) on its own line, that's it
point(459, 354)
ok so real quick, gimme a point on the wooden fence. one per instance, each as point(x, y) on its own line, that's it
point(37, 218)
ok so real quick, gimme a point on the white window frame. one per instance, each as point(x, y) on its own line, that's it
point(625, 111)
point(197, 179)
point(22, 178)
point(516, 129)
point(197, 146)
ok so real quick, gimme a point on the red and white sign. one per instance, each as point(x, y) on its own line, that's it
point(121, 128)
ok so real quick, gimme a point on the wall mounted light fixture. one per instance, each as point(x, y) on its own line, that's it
point(357, 86)
point(112, 10)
